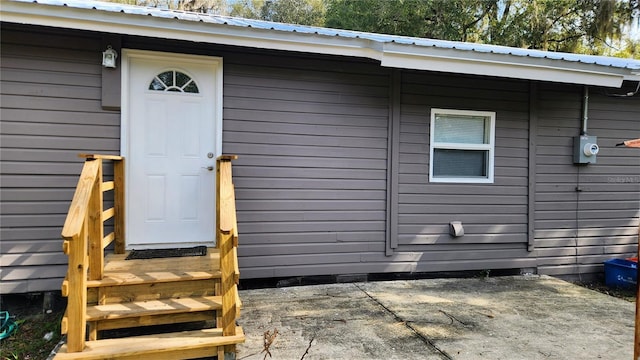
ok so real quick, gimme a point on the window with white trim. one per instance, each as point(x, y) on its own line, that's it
point(462, 146)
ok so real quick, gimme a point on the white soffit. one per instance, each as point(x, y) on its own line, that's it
point(390, 50)
point(503, 67)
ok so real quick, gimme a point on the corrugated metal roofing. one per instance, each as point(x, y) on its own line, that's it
point(630, 64)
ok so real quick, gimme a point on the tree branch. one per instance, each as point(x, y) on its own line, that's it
point(572, 37)
point(484, 13)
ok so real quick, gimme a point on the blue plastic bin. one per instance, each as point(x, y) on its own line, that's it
point(620, 273)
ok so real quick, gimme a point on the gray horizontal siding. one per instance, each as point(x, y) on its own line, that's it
point(494, 215)
point(50, 99)
point(311, 176)
point(577, 231)
point(311, 180)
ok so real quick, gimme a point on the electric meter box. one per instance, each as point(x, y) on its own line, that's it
point(585, 149)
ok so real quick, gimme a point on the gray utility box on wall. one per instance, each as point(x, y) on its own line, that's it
point(585, 149)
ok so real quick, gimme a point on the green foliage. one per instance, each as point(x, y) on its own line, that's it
point(248, 9)
point(629, 49)
point(586, 26)
point(203, 6)
point(302, 12)
point(559, 25)
point(438, 19)
point(582, 26)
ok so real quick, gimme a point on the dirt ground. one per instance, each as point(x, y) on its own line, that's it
point(38, 330)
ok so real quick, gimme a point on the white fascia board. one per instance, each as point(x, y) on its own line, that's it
point(149, 26)
point(389, 54)
point(498, 68)
point(633, 76)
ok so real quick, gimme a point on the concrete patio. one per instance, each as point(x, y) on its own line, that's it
point(515, 317)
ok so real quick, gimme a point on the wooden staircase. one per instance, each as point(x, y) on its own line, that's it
point(111, 296)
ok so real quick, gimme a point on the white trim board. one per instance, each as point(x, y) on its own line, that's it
point(490, 147)
point(388, 53)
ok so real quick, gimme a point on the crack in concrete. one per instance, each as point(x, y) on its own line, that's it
point(250, 355)
point(453, 318)
point(407, 324)
point(308, 347)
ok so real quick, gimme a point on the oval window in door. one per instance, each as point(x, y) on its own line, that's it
point(174, 81)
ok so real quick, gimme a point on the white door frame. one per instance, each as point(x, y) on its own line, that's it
point(127, 56)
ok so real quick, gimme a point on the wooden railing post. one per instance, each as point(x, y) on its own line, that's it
point(75, 232)
point(77, 300)
point(96, 227)
point(224, 239)
point(227, 241)
point(118, 205)
point(218, 176)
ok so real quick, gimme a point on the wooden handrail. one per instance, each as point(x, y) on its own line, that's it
point(227, 242)
point(104, 157)
point(80, 203)
point(84, 240)
point(226, 195)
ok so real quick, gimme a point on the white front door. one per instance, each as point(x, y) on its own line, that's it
point(171, 136)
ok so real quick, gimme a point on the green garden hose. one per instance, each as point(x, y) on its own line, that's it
point(8, 326)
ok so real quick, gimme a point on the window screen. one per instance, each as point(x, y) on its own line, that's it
point(462, 146)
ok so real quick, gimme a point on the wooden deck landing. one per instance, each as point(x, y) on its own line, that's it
point(118, 271)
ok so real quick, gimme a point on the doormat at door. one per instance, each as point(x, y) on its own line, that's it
point(166, 253)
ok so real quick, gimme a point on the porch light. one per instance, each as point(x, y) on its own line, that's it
point(109, 57)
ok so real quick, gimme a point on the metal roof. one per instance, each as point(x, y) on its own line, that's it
point(390, 45)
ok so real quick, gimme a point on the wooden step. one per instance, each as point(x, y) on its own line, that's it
point(154, 312)
point(152, 279)
point(179, 345)
point(118, 271)
point(151, 291)
point(153, 307)
point(132, 278)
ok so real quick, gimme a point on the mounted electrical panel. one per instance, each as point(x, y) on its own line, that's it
point(585, 149)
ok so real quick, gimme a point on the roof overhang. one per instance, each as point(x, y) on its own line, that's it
point(499, 65)
point(390, 54)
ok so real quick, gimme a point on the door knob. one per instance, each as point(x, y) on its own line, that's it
point(209, 168)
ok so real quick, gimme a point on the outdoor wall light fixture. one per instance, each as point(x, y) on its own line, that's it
point(109, 57)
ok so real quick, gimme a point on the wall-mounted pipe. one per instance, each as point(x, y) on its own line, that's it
point(585, 110)
point(585, 147)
